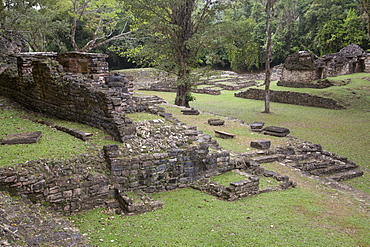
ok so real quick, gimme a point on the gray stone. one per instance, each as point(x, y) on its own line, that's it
point(257, 126)
point(22, 138)
point(261, 144)
point(223, 135)
point(216, 122)
point(190, 112)
point(276, 131)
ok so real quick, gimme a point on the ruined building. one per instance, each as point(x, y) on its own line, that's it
point(300, 68)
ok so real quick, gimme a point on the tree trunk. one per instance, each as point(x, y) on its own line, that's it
point(268, 57)
point(181, 17)
point(183, 88)
point(181, 96)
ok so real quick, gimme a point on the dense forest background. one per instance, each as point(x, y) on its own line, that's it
point(234, 37)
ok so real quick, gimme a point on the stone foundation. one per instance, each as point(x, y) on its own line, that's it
point(294, 98)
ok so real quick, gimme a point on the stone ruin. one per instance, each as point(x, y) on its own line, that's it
point(300, 68)
point(78, 87)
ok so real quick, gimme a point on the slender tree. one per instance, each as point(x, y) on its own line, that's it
point(269, 5)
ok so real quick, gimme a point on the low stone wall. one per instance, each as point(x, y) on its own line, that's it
point(207, 90)
point(319, 84)
point(168, 170)
point(291, 98)
point(69, 186)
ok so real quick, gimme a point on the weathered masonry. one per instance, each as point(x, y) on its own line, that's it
point(300, 68)
point(77, 87)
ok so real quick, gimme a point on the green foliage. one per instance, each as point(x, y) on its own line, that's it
point(335, 34)
point(242, 50)
point(42, 23)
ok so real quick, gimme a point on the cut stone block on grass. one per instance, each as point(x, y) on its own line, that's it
point(261, 144)
point(216, 122)
point(190, 112)
point(257, 126)
point(276, 131)
point(22, 138)
point(76, 133)
point(223, 134)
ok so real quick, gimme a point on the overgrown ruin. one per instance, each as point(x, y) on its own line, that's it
point(155, 155)
point(300, 68)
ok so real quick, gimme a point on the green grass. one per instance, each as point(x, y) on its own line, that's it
point(141, 116)
point(227, 178)
point(268, 182)
point(53, 143)
point(192, 218)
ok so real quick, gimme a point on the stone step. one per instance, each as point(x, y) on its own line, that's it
point(269, 158)
point(341, 176)
point(314, 165)
point(332, 169)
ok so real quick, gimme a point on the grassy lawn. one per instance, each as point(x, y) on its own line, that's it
point(297, 217)
point(53, 143)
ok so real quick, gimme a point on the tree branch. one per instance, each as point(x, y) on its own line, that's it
point(107, 41)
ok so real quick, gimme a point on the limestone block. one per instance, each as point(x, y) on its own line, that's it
point(261, 144)
point(22, 138)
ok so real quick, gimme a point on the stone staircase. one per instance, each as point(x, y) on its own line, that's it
point(311, 160)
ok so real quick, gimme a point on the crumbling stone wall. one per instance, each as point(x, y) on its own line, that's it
point(68, 186)
point(168, 170)
point(301, 67)
point(89, 95)
point(291, 98)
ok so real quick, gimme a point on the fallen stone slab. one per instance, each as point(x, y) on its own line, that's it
point(76, 133)
point(223, 134)
point(257, 126)
point(22, 138)
point(216, 122)
point(276, 131)
point(190, 112)
point(261, 144)
point(165, 114)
